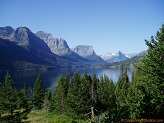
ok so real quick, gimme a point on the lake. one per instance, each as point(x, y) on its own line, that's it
point(50, 77)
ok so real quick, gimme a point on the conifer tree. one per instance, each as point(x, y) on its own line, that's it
point(93, 90)
point(78, 97)
point(67, 83)
point(47, 105)
point(150, 79)
point(104, 93)
point(112, 110)
point(101, 94)
point(121, 92)
point(110, 114)
point(134, 98)
point(60, 95)
point(14, 103)
point(38, 92)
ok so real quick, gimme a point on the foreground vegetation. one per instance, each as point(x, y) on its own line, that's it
point(40, 116)
point(83, 98)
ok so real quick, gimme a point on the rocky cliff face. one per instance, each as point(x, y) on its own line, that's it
point(61, 47)
point(25, 37)
point(57, 46)
point(7, 33)
point(21, 36)
point(48, 38)
point(88, 53)
point(84, 50)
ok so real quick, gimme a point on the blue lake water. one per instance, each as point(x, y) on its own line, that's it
point(50, 77)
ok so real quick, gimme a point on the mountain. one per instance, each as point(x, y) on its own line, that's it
point(130, 55)
point(16, 57)
point(24, 40)
point(128, 63)
point(59, 47)
point(115, 57)
point(88, 52)
point(107, 56)
point(7, 33)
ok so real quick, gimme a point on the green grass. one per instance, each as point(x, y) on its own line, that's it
point(38, 116)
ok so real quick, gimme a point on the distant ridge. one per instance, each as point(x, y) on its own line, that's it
point(128, 63)
point(114, 57)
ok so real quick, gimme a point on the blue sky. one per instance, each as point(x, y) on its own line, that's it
point(107, 25)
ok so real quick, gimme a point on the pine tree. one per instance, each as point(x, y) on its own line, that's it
point(150, 79)
point(47, 105)
point(60, 94)
point(112, 110)
point(14, 103)
point(121, 91)
point(104, 93)
point(78, 97)
point(134, 98)
point(38, 92)
point(72, 100)
point(93, 89)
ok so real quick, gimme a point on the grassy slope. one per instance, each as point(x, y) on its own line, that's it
point(37, 116)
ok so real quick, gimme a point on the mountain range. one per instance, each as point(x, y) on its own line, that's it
point(60, 47)
point(128, 63)
point(22, 49)
point(116, 57)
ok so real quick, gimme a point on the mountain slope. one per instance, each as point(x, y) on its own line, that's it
point(88, 52)
point(15, 57)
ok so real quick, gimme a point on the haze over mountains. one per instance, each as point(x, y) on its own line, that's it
point(22, 49)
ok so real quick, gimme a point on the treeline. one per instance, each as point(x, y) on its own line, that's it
point(87, 96)
point(74, 96)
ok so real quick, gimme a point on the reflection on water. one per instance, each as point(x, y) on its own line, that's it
point(50, 77)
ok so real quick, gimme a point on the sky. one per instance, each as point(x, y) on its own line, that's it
point(107, 25)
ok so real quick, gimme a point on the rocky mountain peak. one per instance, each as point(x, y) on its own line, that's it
point(8, 30)
point(84, 50)
point(22, 35)
point(88, 52)
point(62, 43)
point(114, 57)
point(60, 47)
point(57, 46)
point(7, 33)
point(48, 38)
